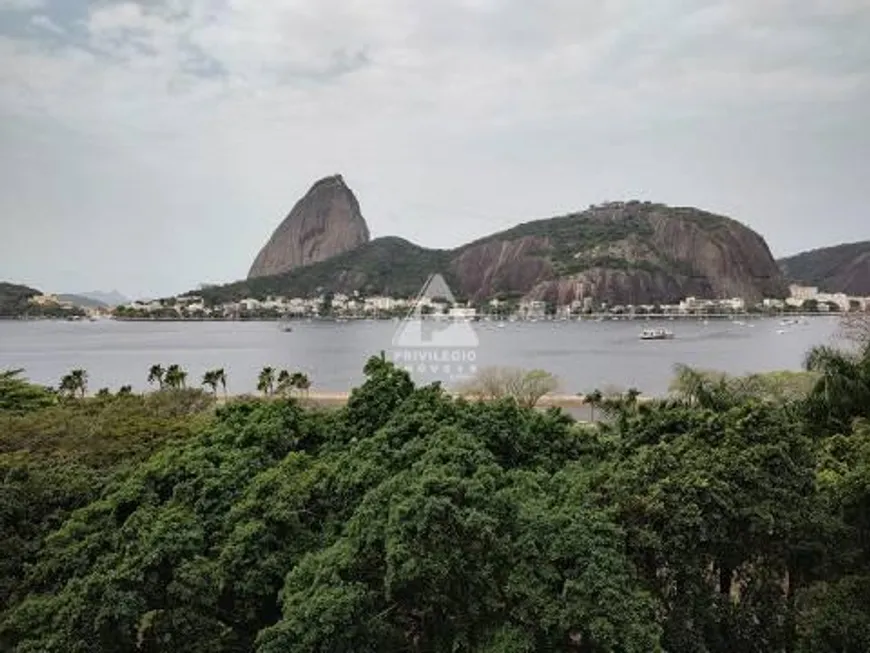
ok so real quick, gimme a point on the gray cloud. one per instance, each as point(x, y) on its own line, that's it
point(154, 145)
point(21, 5)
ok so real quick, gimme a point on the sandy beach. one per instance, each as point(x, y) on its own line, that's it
point(547, 401)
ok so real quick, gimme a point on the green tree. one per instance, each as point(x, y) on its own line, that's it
point(284, 383)
point(266, 381)
point(731, 516)
point(175, 377)
point(19, 396)
point(75, 383)
point(717, 504)
point(593, 400)
point(300, 382)
point(842, 392)
point(222, 379)
point(212, 379)
point(157, 375)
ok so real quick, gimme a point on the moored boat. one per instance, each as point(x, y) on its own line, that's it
point(656, 334)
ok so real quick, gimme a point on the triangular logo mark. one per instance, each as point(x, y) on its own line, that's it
point(418, 330)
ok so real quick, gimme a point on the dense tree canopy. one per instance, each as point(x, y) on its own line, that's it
point(410, 520)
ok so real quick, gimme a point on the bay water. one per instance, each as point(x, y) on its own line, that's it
point(584, 355)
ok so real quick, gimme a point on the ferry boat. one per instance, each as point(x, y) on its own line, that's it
point(656, 334)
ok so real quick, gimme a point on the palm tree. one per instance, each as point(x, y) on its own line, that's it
point(156, 375)
point(210, 379)
point(303, 383)
point(266, 381)
point(222, 379)
point(842, 392)
point(300, 381)
point(175, 378)
point(285, 383)
point(712, 390)
point(80, 379)
point(593, 399)
point(76, 382)
point(67, 386)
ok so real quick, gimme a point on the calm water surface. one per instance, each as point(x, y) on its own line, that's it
point(583, 355)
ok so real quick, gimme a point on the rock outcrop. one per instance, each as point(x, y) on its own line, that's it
point(842, 268)
point(619, 253)
point(324, 223)
point(622, 253)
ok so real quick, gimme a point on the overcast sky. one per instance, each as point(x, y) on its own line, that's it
point(150, 146)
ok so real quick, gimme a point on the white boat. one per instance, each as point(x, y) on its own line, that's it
point(656, 334)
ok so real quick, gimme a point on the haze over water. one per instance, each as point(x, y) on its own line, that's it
point(583, 355)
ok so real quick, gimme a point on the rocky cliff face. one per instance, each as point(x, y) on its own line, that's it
point(622, 253)
point(324, 223)
point(503, 266)
point(619, 253)
point(843, 268)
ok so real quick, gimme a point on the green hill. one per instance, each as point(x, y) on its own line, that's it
point(14, 299)
point(842, 268)
point(620, 252)
point(385, 266)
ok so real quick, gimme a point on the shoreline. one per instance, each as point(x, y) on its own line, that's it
point(327, 398)
point(591, 317)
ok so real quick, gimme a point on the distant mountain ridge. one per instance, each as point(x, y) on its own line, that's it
point(842, 268)
point(81, 301)
point(620, 252)
point(110, 298)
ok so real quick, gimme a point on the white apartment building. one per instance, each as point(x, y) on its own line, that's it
point(462, 313)
point(386, 303)
point(803, 293)
point(250, 304)
point(44, 300)
point(734, 304)
point(533, 309)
